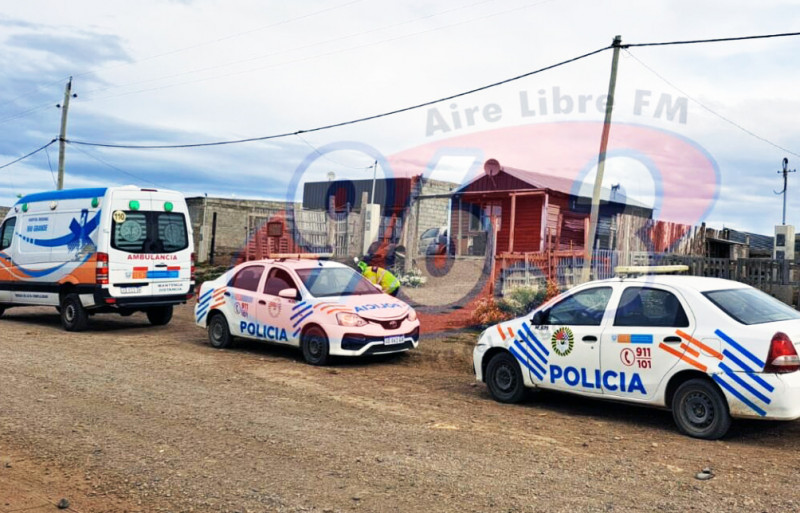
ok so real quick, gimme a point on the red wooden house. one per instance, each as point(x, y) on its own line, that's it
point(535, 212)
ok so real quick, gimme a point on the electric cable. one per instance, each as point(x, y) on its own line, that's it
point(715, 113)
point(112, 166)
point(34, 152)
point(350, 122)
point(717, 40)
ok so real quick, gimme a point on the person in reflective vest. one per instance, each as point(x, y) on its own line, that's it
point(379, 276)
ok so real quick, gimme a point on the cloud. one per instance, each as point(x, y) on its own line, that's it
point(83, 52)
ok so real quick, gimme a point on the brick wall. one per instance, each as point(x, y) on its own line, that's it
point(3, 212)
point(232, 224)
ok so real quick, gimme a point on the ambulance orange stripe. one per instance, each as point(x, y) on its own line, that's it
point(683, 357)
point(500, 330)
point(699, 344)
point(690, 350)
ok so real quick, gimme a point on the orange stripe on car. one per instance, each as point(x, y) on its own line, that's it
point(500, 330)
point(689, 350)
point(683, 357)
point(688, 338)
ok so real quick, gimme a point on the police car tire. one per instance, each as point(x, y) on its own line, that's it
point(315, 346)
point(159, 315)
point(700, 410)
point(73, 315)
point(2, 311)
point(504, 378)
point(219, 336)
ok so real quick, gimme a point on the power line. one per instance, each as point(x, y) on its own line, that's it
point(34, 152)
point(308, 58)
point(223, 38)
point(50, 165)
point(715, 113)
point(328, 158)
point(263, 56)
point(351, 122)
point(98, 159)
point(717, 40)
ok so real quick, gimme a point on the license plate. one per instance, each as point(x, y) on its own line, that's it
point(393, 340)
point(129, 290)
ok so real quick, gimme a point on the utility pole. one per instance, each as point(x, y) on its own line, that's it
point(62, 136)
point(601, 164)
point(374, 174)
point(785, 172)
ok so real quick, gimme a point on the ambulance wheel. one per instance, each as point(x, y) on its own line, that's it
point(218, 333)
point(73, 315)
point(159, 315)
point(315, 346)
point(504, 379)
point(700, 410)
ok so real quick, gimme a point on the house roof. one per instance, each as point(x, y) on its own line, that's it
point(558, 184)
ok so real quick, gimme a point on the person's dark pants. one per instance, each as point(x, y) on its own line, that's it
point(394, 292)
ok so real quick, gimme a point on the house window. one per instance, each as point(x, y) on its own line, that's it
point(481, 216)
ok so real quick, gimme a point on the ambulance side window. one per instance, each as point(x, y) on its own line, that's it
point(248, 278)
point(7, 233)
point(277, 281)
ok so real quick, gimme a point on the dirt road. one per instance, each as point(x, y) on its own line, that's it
point(128, 417)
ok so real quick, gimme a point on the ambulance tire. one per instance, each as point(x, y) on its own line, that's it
point(504, 378)
point(73, 315)
point(2, 310)
point(219, 335)
point(316, 349)
point(159, 315)
point(700, 410)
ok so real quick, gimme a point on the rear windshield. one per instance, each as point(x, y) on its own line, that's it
point(149, 232)
point(335, 281)
point(751, 306)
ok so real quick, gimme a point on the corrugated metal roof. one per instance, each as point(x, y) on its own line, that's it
point(554, 183)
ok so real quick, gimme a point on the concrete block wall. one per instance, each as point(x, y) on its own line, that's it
point(232, 224)
point(3, 212)
point(433, 212)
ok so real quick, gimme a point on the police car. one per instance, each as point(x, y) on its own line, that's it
point(324, 308)
point(708, 349)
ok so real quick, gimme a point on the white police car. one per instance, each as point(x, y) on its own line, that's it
point(325, 308)
point(707, 348)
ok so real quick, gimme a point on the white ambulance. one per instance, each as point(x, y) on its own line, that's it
point(87, 251)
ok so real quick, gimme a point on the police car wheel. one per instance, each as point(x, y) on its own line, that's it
point(504, 379)
point(700, 410)
point(2, 311)
point(218, 333)
point(159, 315)
point(73, 315)
point(315, 346)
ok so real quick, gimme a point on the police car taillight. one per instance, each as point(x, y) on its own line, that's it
point(782, 356)
point(102, 269)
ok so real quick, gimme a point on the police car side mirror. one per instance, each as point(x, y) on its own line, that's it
point(539, 318)
point(288, 293)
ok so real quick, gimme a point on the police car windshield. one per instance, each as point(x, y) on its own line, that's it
point(751, 306)
point(335, 281)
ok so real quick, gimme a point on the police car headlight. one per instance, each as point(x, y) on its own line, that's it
point(350, 319)
point(412, 315)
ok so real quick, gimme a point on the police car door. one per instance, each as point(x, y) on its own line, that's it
point(275, 312)
point(646, 318)
point(571, 333)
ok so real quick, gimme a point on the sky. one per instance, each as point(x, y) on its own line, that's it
point(698, 132)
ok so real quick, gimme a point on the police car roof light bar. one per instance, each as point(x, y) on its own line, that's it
point(300, 256)
point(634, 270)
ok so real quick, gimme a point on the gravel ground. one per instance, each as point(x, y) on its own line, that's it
point(127, 417)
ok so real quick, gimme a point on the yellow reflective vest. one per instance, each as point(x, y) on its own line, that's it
point(380, 276)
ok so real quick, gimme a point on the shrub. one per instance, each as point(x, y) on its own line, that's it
point(488, 311)
point(412, 279)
